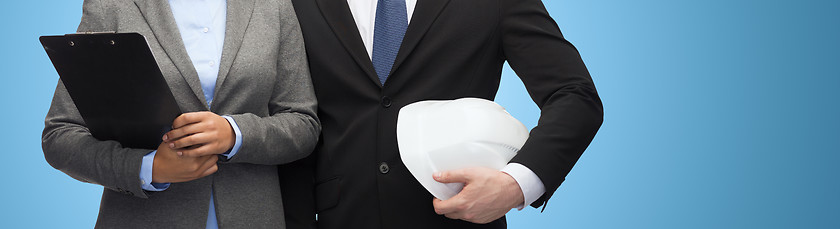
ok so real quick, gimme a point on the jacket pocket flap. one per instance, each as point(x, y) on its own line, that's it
point(327, 194)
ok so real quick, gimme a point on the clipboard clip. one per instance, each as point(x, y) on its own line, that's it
point(71, 43)
point(106, 32)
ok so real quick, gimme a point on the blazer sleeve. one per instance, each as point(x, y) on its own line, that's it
point(559, 83)
point(292, 129)
point(68, 144)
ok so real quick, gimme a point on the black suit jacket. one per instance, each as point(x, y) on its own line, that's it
point(452, 49)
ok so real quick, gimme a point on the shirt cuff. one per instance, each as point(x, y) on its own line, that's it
point(236, 144)
point(531, 185)
point(146, 168)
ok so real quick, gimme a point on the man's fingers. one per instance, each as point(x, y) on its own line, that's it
point(449, 206)
point(188, 118)
point(441, 207)
point(452, 208)
point(454, 176)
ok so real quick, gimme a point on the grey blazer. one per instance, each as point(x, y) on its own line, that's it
point(263, 84)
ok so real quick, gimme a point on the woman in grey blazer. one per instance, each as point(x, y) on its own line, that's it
point(241, 62)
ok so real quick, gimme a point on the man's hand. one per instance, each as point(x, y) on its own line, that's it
point(200, 134)
point(168, 167)
point(487, 195)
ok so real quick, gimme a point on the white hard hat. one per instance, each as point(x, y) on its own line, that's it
point(436, 136)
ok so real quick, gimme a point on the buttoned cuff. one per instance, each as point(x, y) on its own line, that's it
point(236, 144)
point(146, 168)
point(531, 185)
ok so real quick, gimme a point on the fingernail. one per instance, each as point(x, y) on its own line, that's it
point(437, 175)
point(165, 137)
point(180, 153)
point(172, 145)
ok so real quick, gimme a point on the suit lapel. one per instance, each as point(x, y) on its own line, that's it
point(338, 16)
point(159, 17)
point(238, 15)
point(425, 13)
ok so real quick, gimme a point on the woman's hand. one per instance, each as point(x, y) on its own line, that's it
point(199, 134)
point(168, 167)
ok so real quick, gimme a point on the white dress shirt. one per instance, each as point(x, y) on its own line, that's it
point(364, 12)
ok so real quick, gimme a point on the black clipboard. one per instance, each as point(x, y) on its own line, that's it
point(116, 85)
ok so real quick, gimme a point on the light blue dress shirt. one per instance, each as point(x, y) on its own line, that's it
point(202, 27)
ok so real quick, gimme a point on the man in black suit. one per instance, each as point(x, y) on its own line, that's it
point(369, 58)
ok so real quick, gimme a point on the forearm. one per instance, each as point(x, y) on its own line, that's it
point(278, 139)
point(69, 147)
point(68, 144)
point(559, 83)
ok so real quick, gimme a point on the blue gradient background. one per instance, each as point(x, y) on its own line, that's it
point(719, 114)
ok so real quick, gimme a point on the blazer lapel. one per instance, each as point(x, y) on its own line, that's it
point(425, 13)
point(338, 16)
point(238, 16)
point(160, 19)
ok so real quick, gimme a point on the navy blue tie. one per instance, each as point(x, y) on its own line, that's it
point(388, 33)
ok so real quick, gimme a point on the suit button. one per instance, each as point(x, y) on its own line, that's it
point(386, 101)
point(383, 168)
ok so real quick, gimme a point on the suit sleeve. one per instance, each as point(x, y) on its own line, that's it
point(292, 129)
point(559, 83)
point(68, 144)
